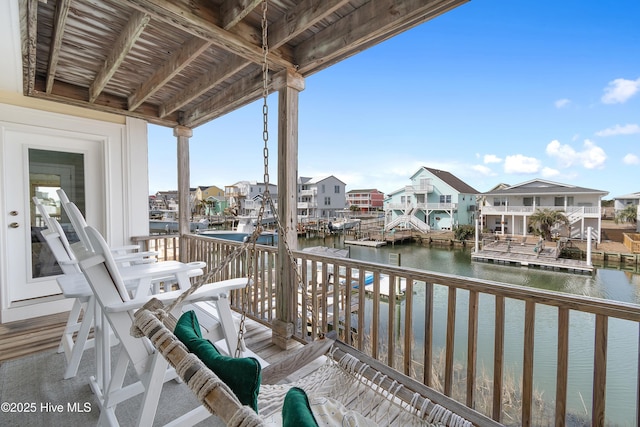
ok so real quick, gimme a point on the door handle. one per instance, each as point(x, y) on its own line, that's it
point(14, 225)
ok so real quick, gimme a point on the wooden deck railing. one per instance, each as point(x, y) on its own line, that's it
point(632, 242)
point(437, 321)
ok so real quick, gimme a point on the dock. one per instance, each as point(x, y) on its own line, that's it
point(528, 255)
point(366, 242)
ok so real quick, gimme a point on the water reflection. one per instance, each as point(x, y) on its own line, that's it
point(608, 283)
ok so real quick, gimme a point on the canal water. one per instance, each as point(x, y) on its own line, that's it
point(606, 283)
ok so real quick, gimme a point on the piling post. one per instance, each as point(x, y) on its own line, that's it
point(589, 246)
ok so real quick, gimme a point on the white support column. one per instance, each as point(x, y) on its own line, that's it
point(183, 134)
point(289, 84)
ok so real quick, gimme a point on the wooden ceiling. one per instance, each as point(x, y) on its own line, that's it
point(186, 62)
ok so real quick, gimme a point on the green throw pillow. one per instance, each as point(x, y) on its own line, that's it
point(296, 411)
point(242, 375)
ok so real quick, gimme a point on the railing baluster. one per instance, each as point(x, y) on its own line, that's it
point(527, 364)
point(375, 324)
point(599, 370)
point(392, 320)
point(408, 329)
point(347, 307)
point(498, 359)
point(324, 300)
point(451, 332)
point(361, 305)
point(472, 348)
point(563, 366)
point(428, 335)
point(336, 299)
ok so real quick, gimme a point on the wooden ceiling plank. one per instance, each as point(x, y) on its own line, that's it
point(180, 59)
point(238, 94)
point(234, 11)
point(374, 21)
point(128, 37)
point(203, 23)
point(306, 14)
point(69, 94)
point(59, 23)
point(203, 84)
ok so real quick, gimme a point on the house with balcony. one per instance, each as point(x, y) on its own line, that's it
point(435, 200)
point(507, 210)
point(320, 197)
point(365, 200)
point(244, 198)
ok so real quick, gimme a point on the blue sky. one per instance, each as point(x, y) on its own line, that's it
point(495, 91)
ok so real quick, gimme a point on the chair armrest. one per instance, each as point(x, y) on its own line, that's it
point(210, 291)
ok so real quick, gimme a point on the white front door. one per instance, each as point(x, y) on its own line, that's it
point(36, 162)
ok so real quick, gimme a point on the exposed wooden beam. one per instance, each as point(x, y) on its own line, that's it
point(234, 11)
point(373, 22)
point(190, 50)
point(29, 14)
point(128, 37)
point(59, 22)
point(303, 16)
point(241, 93)
point(69, 94)
point(200, 20)
point(204, 84)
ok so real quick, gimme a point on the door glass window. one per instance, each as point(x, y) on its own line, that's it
point(48, 172)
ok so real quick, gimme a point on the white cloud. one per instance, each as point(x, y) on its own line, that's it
point(591, 157)
point(483, 170)
point(549, 173)
point(631, 159)
point(521, 164)
point(619, 130)
point(563, 153)
point(561, 103)
point(491, 158)
point(619, 91)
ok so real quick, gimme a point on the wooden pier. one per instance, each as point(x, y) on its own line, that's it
point(528, 255)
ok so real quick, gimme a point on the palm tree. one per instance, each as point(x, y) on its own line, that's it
point(628, 214)
point(543, 220)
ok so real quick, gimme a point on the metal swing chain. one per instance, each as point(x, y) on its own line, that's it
point(266, 195)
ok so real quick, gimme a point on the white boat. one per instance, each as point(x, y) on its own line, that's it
point(343, 224)
point(167, 222)
point(246, 226)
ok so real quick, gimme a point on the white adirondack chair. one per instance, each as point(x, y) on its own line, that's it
point(138, 271)
point(117, 307)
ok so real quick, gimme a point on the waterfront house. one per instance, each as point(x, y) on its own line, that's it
point(365, 200)
point(435, 200)
point(203, 192)
point(244, 198)
point(320, 198)
point(507, 210)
